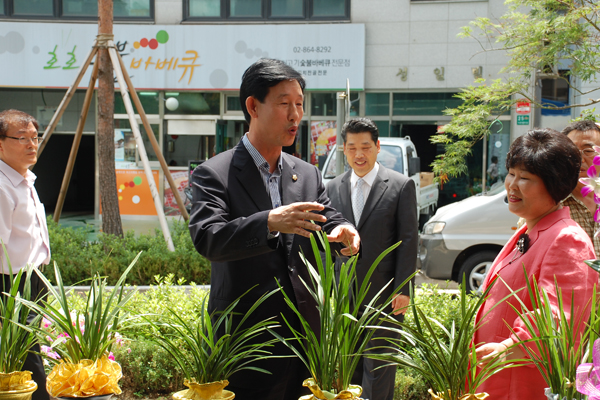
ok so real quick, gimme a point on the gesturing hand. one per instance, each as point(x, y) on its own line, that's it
point(347, 235)
point(295, 218)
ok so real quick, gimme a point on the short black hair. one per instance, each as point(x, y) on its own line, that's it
point(360, 125)
point(550, 155)
point(581, 126)
point(262, 76)
point(15, 117)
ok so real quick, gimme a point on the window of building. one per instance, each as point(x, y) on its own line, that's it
point(196, 103)
point(377, 104)
point(76, 9)
point(267, 9)
point(149, 101)
point(323, 104)
point(233, 104)
point(423, 103)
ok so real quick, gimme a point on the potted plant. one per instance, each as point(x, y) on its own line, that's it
point(81, 341)
point(207, 361)
point(445, 358)
point(16, 338)
point(332, 350)
point(560, 338)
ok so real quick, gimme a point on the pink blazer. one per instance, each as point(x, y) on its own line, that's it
point(558, 247)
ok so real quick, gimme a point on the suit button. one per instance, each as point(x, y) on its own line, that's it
point(291, 269)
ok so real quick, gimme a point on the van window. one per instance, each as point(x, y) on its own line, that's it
point(391, 157)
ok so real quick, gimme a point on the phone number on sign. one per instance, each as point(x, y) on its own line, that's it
point(310, 49)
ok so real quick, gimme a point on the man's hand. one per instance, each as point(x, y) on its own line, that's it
point(400, 304)
point(295, 218)
point(347, 235)
point(489, 351)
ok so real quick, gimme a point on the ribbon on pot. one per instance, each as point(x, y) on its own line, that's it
point(587, 380)
point(448, 395)
point(85, 379)
point(19, 380)
point(203, 391)
point(353, 392)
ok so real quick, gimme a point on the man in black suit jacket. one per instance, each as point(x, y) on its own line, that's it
point(382, 204)
point(253, 211)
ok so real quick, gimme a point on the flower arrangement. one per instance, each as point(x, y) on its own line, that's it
point(332, 351)
point(79, 343)
point(592, 183)
point(16, 337)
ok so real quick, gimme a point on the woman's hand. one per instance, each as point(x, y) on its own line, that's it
point(489, 351)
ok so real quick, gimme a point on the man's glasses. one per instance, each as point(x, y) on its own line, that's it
point(25, 140)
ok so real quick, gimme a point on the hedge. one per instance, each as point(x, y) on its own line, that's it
point(110, 255)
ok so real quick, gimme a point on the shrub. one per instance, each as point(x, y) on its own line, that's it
point(410, 386)
point(79, 259)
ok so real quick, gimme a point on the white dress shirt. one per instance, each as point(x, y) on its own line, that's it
point(369, 178)
point(23, 228)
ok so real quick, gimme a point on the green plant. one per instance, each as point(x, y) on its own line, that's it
point(331, 352)
point(445, 358)
point(409, 385)
point(202, 356)
point(16, 338)
point(559, 339)
point(87, 334)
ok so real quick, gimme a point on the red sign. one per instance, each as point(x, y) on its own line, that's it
point(523, 107)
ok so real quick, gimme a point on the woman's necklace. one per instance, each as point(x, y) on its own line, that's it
point(521, 247)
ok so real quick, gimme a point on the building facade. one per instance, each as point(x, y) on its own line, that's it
point(402, 58)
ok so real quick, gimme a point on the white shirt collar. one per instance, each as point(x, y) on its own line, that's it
point(369, 178)
point(14, 177)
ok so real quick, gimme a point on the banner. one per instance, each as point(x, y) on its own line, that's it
point(180, 57)
point(322, 139)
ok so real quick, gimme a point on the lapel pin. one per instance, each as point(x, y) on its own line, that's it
point(294, 177)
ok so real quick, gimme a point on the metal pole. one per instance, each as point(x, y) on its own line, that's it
point(140, 144)
point(339, 143)
point(484, 167)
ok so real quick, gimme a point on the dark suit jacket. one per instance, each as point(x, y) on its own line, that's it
point(389, 216)
point(228, 224)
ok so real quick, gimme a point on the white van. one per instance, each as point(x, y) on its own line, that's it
point(464, 238)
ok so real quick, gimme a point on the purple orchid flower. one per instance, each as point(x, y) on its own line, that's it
point(587, 380)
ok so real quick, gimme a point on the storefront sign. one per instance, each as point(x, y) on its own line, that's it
point(322, 139)
point(523, 107)
point(207, 57)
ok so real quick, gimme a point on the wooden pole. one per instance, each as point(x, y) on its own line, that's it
point(140, 143)
point(65, 101)
point(76, 141)
point(157, 150)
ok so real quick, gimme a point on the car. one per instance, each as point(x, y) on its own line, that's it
point(464, 238)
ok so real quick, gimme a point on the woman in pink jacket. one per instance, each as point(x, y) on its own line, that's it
point(543, 168)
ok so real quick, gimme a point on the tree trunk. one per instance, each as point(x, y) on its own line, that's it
point(111, 218)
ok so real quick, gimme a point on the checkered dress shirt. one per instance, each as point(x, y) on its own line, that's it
point(585, 219)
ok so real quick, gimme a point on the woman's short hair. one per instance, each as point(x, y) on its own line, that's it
point(551, 156)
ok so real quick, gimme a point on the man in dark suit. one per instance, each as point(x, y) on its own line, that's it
point(382, 204)
point(253, 211)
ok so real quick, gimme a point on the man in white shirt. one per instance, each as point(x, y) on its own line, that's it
point(23, 228)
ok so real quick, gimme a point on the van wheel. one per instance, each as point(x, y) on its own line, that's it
point(475, 268)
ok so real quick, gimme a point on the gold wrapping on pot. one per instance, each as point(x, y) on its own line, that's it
point(19, 380)
point(88, 378)
point(468, 396)
point(204, 391)
point(353, 392)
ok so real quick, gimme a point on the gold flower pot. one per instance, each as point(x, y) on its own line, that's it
point(17, 386)
point(85, 379)
point(204, 391)
point(352, 393)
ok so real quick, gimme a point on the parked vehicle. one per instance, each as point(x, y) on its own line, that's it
point(464, 238)
point(400, 155)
